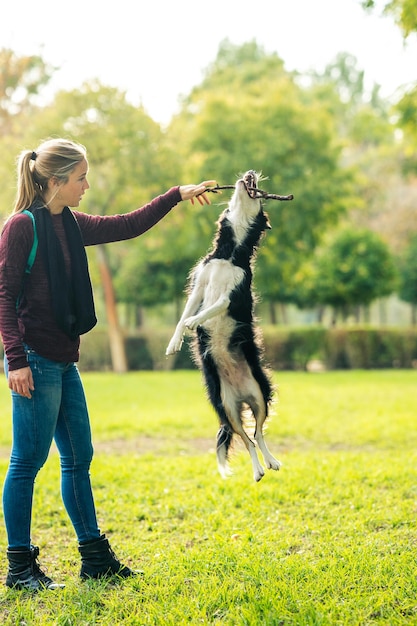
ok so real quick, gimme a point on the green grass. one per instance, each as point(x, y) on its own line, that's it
point(329, 540)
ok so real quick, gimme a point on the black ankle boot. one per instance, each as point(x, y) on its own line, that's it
point(25, 573)
point(99, 561)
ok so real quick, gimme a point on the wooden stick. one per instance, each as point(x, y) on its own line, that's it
point(259, 193)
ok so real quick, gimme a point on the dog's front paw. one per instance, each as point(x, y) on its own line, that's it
point(174, 345)
point(192, 322)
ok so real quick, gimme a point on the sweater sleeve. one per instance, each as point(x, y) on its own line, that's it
point(15, 244)
point(98, 229)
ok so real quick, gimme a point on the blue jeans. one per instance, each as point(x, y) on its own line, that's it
point(57, 410)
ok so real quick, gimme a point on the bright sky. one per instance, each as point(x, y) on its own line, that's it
point(157, 50)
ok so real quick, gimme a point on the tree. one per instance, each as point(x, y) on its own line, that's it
point(353, 269)
point(408, 277)
point(155, 270)
point(21, 81)
point(372, 147)
point(403, 11)
point(249, 113)
point(361, 116)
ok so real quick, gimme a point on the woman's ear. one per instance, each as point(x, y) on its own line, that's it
point(53, 183)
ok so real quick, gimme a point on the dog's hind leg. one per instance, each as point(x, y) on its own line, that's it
point(224, 438)
point(258, 407)
point(233, 409)
point(270, 461)
point(260, 415)
point(258, 470)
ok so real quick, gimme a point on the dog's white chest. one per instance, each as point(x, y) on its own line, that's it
point(218, 278)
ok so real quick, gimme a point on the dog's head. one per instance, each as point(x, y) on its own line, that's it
point(250, 183)
point(245, 203)
point(245, 200)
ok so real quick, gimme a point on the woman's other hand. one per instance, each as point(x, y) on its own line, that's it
point(21, 381)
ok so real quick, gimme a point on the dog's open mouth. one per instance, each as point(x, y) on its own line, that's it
point(250, 182)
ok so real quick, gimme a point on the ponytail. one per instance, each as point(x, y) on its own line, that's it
point(27, 189)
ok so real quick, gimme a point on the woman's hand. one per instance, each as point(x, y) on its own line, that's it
point(21, 381)
point(191, 192)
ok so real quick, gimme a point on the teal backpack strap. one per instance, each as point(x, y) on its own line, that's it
point(32, 253)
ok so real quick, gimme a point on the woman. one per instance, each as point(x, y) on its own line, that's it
point(42, 315)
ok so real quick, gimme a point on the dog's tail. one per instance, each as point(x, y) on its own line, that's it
point(224, 440)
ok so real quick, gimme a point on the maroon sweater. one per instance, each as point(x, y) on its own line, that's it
point(34, 323)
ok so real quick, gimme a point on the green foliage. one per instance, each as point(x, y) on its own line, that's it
point(95, 351)
point(21, 81)
point(340, 348)
point(249, 113)
point(129, 160)
point(293, 348)
point(355, 267)
point(328, 540)
point(403, 11)
point(370, 348)
point(408, 273)
point(286, 348)
point(406, 109)
point(156, 267)
point(324, 141)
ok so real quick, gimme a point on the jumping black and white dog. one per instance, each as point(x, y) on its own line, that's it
point(228, 348)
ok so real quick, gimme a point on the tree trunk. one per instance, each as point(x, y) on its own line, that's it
point(139, 317)
point(284, 316)
point(357, 313)
point(116, 339)
point(382, 312)
point(272, 313)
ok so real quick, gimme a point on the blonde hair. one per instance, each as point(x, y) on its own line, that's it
point(54, 158)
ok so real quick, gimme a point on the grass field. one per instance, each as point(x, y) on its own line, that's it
point(331, 539)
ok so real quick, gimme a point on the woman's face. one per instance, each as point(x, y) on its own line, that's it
point(71, 192)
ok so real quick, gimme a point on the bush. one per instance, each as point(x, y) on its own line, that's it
point(292, 349)
point(340, 348)
point(95, 351)
point(138, 354)
point(285, 349)
point(336, 348)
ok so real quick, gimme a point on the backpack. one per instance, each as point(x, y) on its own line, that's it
point(32, 253)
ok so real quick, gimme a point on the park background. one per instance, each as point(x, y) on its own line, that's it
point(292, 89)
point(336, 275)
